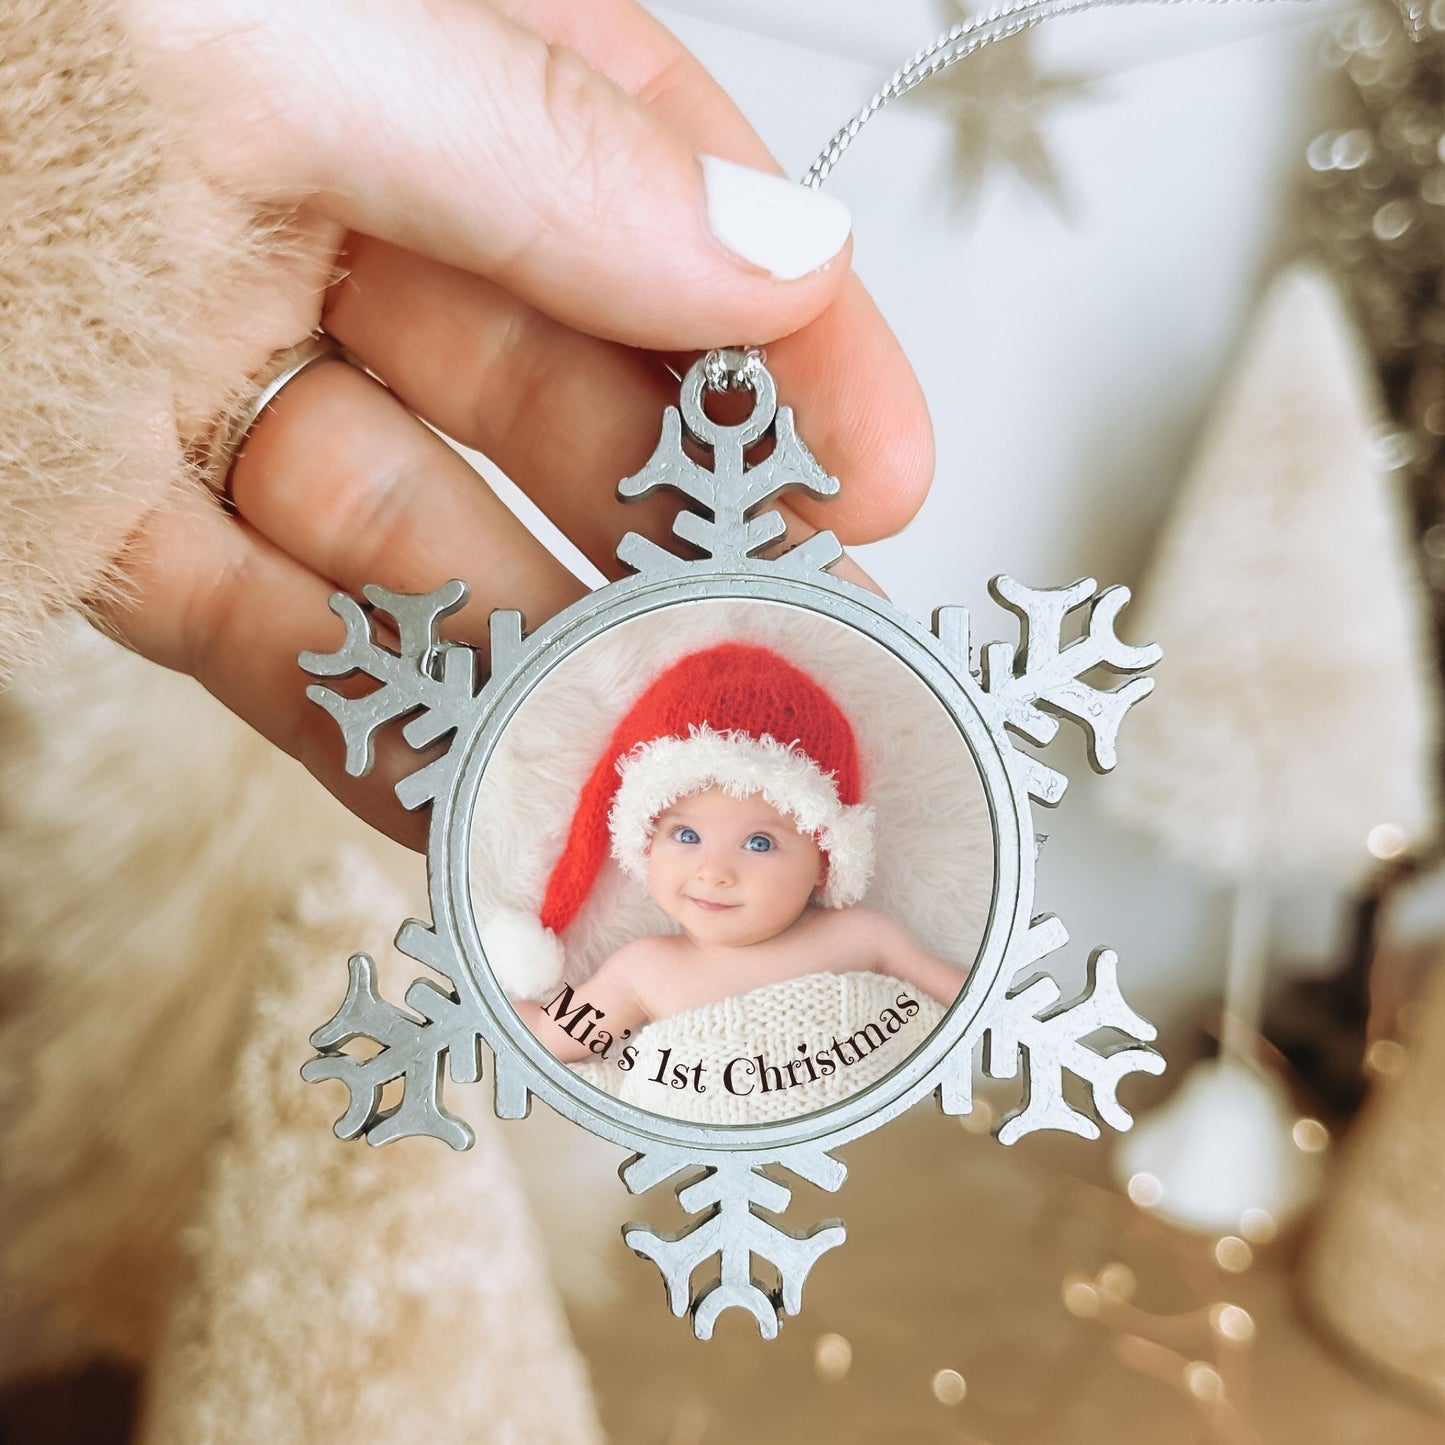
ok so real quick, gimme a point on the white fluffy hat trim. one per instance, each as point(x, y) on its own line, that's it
point(525, 958)
point(656, 774)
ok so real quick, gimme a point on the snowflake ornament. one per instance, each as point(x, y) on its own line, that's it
point(1008, 1015)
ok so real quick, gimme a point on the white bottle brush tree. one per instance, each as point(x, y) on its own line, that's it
point(1298, 730)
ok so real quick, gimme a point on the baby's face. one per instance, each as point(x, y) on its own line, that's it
point(731, 871)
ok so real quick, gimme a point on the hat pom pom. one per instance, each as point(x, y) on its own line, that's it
point(526, 958)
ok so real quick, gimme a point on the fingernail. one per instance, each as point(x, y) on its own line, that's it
point(774, 223)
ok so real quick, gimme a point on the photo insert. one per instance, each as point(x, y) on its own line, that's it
point(724, 911)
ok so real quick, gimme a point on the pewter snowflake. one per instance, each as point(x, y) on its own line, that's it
point(1018, 694)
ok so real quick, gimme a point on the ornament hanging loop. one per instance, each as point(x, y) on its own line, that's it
point(723, 371)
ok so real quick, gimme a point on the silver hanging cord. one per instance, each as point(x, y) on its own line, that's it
point(964, 39)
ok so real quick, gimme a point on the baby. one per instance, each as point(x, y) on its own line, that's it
point(756, 847)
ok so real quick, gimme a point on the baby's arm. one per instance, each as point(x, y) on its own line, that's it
point(571, 1020)
point(896, 954)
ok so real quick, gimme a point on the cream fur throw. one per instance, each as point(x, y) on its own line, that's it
point(391, 1294)
point(161, 970)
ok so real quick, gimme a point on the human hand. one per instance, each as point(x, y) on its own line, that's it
point(512, 196)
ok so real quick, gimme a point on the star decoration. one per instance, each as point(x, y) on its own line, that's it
point(997, 101)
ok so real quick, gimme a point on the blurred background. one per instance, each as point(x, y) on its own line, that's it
point(1071, 234)
point(1171, 278)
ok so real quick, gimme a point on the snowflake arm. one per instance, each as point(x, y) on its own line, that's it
point(790, 468)
point(436, 680)
point(733, 525)
point(1054, 1041)
point(728, 1198)
point(1043, 678)
point(413, 1049)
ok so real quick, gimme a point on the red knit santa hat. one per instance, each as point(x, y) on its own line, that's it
point(734, 716)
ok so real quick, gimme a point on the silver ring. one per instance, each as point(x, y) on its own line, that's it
point(221, 452)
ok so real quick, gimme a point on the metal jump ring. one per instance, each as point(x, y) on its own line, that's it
point(733, 368)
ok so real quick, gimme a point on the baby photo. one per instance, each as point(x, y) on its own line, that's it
point(733, 925)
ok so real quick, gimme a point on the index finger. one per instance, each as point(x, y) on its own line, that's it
point(864, 407)
point(844, 372)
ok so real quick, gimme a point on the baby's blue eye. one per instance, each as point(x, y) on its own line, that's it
point(759, 843)
point(686, 835)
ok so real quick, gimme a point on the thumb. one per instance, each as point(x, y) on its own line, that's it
point(456, 132)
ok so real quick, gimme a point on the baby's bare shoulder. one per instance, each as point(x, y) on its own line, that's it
point(854, 938)
point(644, 965)
point(641, 954)
point(859, 923)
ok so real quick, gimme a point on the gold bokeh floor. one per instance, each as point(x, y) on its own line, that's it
point(959, 1258)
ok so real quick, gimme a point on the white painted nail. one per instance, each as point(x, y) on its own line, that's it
point(774, 223)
